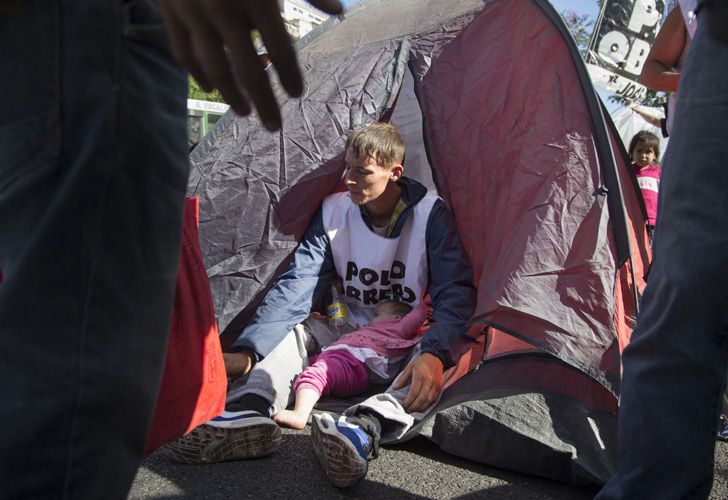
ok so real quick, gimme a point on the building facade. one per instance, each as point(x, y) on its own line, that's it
point(300, 17)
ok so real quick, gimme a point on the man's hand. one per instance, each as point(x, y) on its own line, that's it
point(237, 364)
point(424, 374)
point(212, 38)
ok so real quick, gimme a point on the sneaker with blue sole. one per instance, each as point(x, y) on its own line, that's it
point(343, 446)
point(239, 435)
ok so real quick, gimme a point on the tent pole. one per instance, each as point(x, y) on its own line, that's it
point(595, 32)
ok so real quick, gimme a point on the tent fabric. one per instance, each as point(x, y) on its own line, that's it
point(632, 274)
point(527, 423)
point(555, 258)
point(194, 381)
point(500, 119)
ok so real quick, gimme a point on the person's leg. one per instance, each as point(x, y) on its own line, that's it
point(675, 366)
point(335, 372)
point(297, 418)
point(92, 180)
point(388, 407)
point(272, 377)
point(246, 430)
point(343, 447)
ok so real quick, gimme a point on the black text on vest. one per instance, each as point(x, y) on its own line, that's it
point(382, 286)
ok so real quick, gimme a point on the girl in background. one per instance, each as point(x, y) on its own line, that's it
point(644, 149)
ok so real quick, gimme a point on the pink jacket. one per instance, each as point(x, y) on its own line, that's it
point(388, 338)
point(649, 180)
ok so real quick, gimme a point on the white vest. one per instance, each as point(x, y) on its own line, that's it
point(372, 267)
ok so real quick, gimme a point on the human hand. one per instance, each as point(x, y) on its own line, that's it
point(237, 364)
point(212, 38)
point(424, 374)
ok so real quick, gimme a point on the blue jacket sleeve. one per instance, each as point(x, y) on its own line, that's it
point(451, 289)
point(290, 300)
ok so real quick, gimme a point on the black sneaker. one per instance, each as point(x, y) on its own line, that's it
point(239, 435)
point(343, 447)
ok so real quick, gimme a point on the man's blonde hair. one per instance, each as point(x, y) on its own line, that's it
point(380, 141)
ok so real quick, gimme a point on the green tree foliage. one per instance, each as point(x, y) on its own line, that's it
point(196, 92)
point(580, 26)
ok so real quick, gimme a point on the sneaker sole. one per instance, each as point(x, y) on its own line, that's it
point(208, 444)
point(336, 454)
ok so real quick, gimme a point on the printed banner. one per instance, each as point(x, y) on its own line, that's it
point(622, 39)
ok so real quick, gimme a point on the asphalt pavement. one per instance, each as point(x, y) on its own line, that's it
point(415, 469)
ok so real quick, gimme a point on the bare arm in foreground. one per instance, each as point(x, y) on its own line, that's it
point(658, 72)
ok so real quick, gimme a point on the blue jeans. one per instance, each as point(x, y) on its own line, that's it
point(675, 366)
point(93, 171)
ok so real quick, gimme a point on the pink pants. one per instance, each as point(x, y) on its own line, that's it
point(335, 372)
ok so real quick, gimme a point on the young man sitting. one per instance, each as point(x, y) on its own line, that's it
point(386, 238)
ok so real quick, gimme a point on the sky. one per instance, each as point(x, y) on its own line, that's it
point(586, 6)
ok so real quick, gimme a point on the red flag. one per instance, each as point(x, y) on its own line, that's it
point(194, 382)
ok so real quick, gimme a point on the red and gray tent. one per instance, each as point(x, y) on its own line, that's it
point(500, 118)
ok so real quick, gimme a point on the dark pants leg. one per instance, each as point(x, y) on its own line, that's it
point(93, 169)
point(675, 366)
